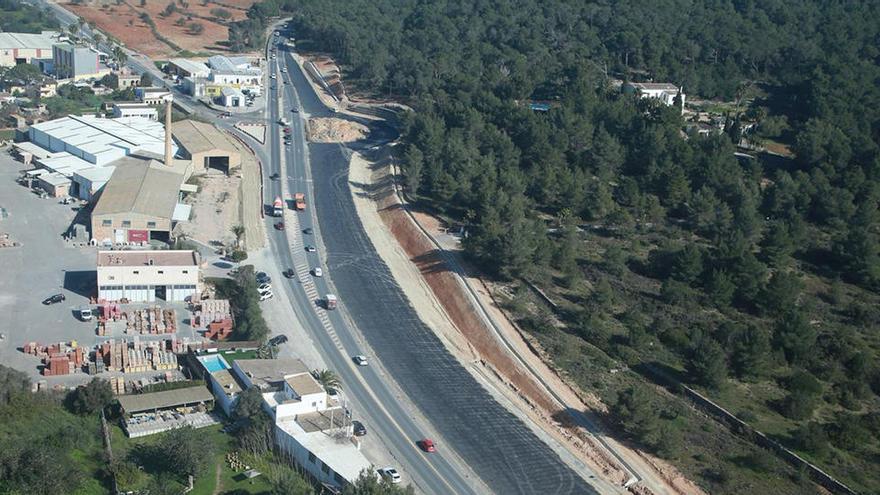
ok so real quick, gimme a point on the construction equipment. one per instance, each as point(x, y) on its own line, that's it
point(330, 302)
point(299, 200)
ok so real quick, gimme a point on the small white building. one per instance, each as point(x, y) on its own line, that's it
point(133, 109)
point(152, 96)
point(147, 275)
point(665, 92)
point(232, 97)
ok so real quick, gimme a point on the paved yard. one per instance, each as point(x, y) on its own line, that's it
point(43, 265)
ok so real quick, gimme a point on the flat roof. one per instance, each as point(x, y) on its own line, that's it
point(265, 371)
point(304, 384)
point(96, 135)
point(655, 86)
point(66, 163)
point(43, 41)
point(190, 66)
point(338, 453)
point(222, 62)
point(159, 257)
point(55, 179)
point(130, 104)
point(142, 186)
point(227, 381)
point(33, 149)
point(199, 137)
point(165, 399)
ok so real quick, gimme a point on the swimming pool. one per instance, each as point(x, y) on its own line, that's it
point(214, 363)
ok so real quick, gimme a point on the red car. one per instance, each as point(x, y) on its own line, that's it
point(287, 130)
point(427, 445)
point(279, 226)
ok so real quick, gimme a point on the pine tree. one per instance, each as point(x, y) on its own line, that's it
point(750, 352)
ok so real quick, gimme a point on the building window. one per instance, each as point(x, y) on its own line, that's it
point(314, 404)
point(126, 223)
point(111, 277)
point(186, 271)
point(107, 223)
point(136, 272)
point(151, 225)
point(312, 457)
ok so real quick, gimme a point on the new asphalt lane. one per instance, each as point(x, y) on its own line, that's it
point(499, 448)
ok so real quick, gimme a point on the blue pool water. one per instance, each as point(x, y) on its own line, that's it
point(214, 363)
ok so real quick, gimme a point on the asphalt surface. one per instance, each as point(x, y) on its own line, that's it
point(500, 449)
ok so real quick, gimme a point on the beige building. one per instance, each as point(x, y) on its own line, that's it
point(138, 203)
point(206, 146)
point(22, 48)
point(147, 276)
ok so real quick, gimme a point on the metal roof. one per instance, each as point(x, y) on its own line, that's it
point(141, 186)
point(190, 66)
point(43, 41)
point(95, 174)
point(222, 62)
point(106, 136)
point(165, 399)
point(198, 137)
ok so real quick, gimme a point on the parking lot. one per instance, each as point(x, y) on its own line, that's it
point(44, 264)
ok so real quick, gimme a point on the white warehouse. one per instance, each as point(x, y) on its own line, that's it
point(147, 276)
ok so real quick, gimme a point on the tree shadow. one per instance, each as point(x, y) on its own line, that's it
point(431, 262)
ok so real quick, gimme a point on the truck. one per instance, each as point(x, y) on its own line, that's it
point(299, 200)
point(277, 207)
point(330, 302)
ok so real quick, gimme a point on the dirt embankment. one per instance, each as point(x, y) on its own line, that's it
point(329, 130)
point(473, 339)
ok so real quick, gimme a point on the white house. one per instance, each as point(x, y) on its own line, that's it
point(665, 92)
point(133, 109)
point(311, 428)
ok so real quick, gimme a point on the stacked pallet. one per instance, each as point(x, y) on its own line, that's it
point(150, 321)
point(59, 359)
point(117, 384)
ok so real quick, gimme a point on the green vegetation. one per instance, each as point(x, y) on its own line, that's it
point(754, 280)
point(245, 301)
point(18, 17)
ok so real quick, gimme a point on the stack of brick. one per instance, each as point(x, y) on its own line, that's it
point(58, 359)
point(117, 384)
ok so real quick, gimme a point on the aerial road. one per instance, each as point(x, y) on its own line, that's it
point(506, 455)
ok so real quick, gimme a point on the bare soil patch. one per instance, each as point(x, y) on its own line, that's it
point(214, 210)
point(330, 130)
point(124, 23)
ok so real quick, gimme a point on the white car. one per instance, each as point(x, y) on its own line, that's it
point(317, 272)
point(360, 360)
point(266, 295)
point(264, 287)
point(283, 69)
point(272, 76)
point(390, 474)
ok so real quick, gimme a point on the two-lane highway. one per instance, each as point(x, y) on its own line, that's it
point(491, 441)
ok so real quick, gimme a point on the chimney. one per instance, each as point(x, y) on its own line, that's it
point(168, 154)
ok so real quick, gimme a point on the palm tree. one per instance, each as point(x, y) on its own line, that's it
point(327, 379)
point(237, 231)
point(120, 55)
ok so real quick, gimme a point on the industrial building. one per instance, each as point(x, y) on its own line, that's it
point(311, 427)
point(155, 412)
point(77, 62)
point(98, 141)
point(24, 48)
point(231, 97)
point(187, 68)
point(140, 203)
point(134, 109)
point(147, 276)
point(227, 80)
point(206, 146)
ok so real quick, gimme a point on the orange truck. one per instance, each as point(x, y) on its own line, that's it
point(299, 200)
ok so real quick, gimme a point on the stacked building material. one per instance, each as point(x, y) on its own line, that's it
point(117, 384)
point(59, 359)
point(150, 321)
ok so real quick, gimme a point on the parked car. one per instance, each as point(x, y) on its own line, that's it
point(279, 225)
point(264, 287)
point(359, 428)
point(294, 110)
point(310, 249)
point(308, 231)
point(57, 298)
point(390, 474)
point(360, 360)
point(316, 271)
point(85, 314)
point(289, 273)
point(262, 278)
point(278, 339)
point(427, 445)
point(266, 295)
